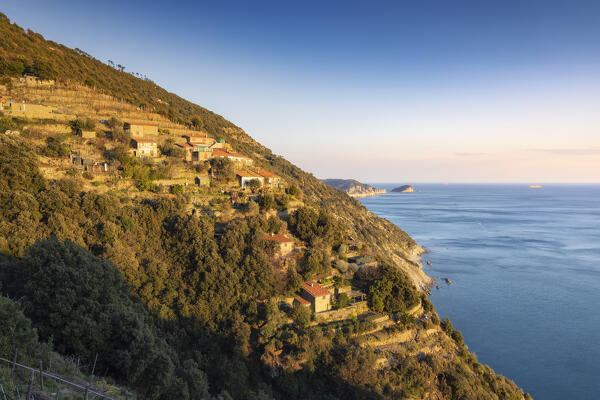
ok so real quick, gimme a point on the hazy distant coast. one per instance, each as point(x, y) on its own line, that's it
point(354, 188)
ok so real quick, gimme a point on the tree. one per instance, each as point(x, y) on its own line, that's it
point(253, 185)
point(16, 332)
point(301, 315)
point(90, 312)
point(223, 169)
point(266, 201)
point(392, 292)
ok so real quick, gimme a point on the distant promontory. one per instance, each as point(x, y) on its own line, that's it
point(353, 187)
point(403, 189)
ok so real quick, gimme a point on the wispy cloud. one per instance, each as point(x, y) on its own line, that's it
point(584, 151)
point(468, 154)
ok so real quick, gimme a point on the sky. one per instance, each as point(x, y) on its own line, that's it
point(432, 91)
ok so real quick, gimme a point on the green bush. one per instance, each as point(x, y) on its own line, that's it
point(392, 292)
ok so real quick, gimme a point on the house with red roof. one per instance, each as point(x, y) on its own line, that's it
point(270, 179)
point(196, 148)
point(317, 295)
point(285, 244)
point(244, 177)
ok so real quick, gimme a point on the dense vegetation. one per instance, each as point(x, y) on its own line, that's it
point(27, 51)
point(179, 305)
point(171, 308)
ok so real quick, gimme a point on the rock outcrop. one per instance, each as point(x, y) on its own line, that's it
point(403, 189)
point(353, 187)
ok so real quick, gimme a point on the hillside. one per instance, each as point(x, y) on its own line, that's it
point(28, 51)
point(353, 187)
point(158, 242)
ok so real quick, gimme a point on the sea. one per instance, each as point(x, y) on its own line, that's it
point(524, 266)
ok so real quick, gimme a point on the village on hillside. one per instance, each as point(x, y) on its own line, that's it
point(116, 146)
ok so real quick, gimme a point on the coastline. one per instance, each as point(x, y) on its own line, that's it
point(367, 194)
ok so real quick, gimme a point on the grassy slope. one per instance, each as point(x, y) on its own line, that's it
point(52, 60)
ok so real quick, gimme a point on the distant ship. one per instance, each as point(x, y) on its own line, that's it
point(535, 186)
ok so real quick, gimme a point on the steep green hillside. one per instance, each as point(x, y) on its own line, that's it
point(183, 302)
point(27, 51)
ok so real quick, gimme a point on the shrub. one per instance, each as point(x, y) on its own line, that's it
point(447, 326)
point(176, 189)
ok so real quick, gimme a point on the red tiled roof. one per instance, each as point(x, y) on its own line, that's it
point(278, 238)
point(302, 301)
point(141, 123)
point(143, 140)
point(314, 289)
point(183, 145)
point(266, 174)
point(246, 174)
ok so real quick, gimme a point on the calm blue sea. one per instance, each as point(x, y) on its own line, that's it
point(525, 267)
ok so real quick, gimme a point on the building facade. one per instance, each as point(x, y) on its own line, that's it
point(317, 295)
point(144, 147)
point(141, 129)
point(244, 177)
point(284, 244)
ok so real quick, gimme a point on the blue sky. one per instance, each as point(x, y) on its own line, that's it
point(379, 91)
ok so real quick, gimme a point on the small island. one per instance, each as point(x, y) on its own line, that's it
point(353, 187)
point(403, 189)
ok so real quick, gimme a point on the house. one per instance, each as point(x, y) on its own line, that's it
point(144, 147)
point(220, 144)
point(244, 177)
point(318, 296)
point(285, 245)
point(299, 300)
point(271, 180)
point(233, 156)
point(141, 129)
point(196, 148)
point(94, 166)
point(32, 80)
point(198, 140)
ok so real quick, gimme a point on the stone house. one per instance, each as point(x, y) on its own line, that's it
point(271, 180)
point(318, 296)
point(141, 129)
point(144, 147)
point(285, 244)
point(94, 166)
point(304, 303)
point(196, 148)
point(221, 144)
point(244, 177)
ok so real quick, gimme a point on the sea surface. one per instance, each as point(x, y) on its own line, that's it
point(525, 270)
